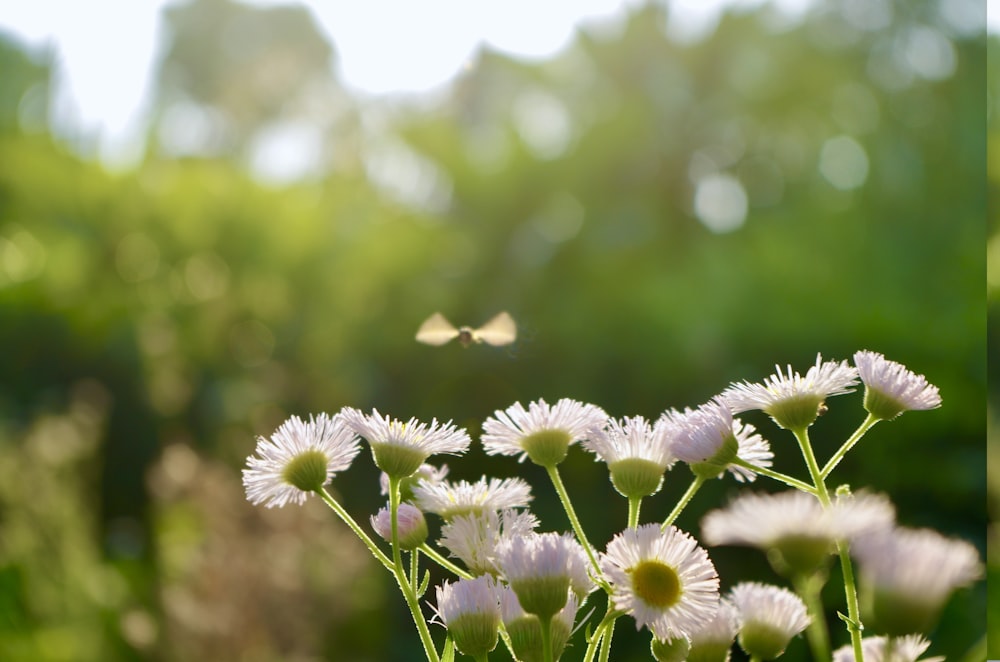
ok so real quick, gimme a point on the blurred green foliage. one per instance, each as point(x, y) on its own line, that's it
point(156, 320)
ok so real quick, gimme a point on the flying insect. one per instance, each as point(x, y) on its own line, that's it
point(436, 330)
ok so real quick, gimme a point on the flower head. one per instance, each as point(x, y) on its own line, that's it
point(794, 528)
point(713, 641)
point(791, 400)
point(636, 452)
point(401, 448)
point(877, 649)
point(298, 459)
point(474, 537)
point(410, 523)
point(452, 499)
point(768, 618)
point(891, 389)
point(526, 632)
point(470, 609)
point(702, 437)
point(752, 448)
point(541, 432)
point(663, 579)
point(542, 568)
point(909, 574)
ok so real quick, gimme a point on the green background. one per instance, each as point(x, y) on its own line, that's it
point(156, 320)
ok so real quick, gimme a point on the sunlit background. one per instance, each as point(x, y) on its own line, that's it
point(214, 215)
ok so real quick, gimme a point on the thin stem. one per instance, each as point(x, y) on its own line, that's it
point(854, 626)
point(435, 556)
point(684, 501)
point(414, 569)
point(865, 426)
point(358, 531)
point(609, 632)
point(819, 638)
point(553, 472)
point(780, 477)
point(409, 591)
point(634, 503)
point(546, 627)
point(596, 638)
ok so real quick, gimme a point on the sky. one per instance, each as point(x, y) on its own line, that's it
point(101, 94)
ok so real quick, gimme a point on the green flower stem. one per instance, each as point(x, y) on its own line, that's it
point(595, 639)
point(865, 426)
point(349, 521)
point(435, 556)
point(819, 638)
point(546, 627)
point(483, 658)
point(780, 477)
point(415, 569)
point(634, 503)
point(553, 472)
point(609, 632)
point(684, 501)
point(850, 588)
point(409, 590)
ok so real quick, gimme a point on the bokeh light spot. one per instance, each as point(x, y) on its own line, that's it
point(720, 203)
point(843, 162)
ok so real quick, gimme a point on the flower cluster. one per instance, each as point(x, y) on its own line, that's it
point(526, 587)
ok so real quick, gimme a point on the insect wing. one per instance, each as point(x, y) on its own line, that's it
point(501, 330)
point(436, 330)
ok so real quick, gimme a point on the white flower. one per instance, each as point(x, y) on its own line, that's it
point(451, 499)
point(753, 448)
point(470, 609)
point(697, 435)
point(891, 389)
point(298, 459)
point(714, 638)
point(663, 579)
point(911, 574)
point(541, 568)
point(796, 526)
point(768, 618)
point(410, 523)
point(525, 631)
point(903, 649)
point(793, 401)
point(473, 538)
point(636, 452)
point(401, 448)
point(541, 432)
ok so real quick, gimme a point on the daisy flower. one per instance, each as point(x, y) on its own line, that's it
point(470, 609)
point(410, 523)
point(473, 538)
point(541, 432)
point(714, 639)
point(768, 617)
point(752, 448)
point(298, 459)
point(791, 400)
point(542, 568)
point(401, 448)
point(891, 389)
point(909, 574)
point(452, 499)
point(794, 528)
point(663, 579)
point(879, 649)
point(526, 632)
point(637, 454)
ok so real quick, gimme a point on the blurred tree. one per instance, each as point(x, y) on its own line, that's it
point(24, 86)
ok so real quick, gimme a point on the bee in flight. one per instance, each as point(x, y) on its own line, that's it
point(436, 330)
